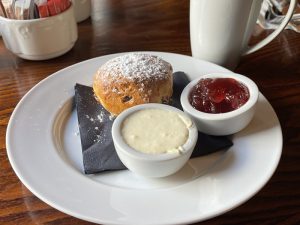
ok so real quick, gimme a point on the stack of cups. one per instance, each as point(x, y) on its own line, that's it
point(82, 9)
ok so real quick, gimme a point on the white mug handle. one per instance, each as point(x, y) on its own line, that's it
point(274, 34)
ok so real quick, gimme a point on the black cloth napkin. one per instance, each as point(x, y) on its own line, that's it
point(95, 130)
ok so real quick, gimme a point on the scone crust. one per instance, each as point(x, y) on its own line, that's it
point(131, 80)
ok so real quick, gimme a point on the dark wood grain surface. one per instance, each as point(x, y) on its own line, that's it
point(161, 25)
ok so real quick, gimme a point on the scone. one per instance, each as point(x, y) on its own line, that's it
point(133, 79)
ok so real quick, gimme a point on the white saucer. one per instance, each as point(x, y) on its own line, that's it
point(44, 150)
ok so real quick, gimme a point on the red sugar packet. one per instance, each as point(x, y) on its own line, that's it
point(52, 7)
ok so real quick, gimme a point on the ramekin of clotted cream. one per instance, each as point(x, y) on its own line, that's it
point(154, 140)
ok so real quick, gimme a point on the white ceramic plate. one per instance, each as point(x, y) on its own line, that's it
point(44, 150)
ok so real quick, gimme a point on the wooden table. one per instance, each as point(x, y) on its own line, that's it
point(118, 26)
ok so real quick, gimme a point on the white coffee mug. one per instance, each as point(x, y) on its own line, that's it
point(220, 29)
point(40, 39)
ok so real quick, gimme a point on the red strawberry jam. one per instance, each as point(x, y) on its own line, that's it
point(218, 95)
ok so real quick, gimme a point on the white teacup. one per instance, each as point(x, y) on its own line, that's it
point(220, 29)
point(40, 39)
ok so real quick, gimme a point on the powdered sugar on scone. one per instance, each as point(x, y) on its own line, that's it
point(137, 67)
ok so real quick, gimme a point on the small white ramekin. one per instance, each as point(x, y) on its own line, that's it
point(152, 165)
point(222, 123)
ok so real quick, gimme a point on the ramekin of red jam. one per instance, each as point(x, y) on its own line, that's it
point(218, 95)
point(220, 104)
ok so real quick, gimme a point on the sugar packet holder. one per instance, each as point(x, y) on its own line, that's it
point(32, 9)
